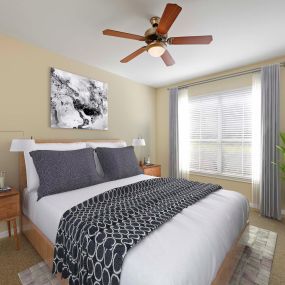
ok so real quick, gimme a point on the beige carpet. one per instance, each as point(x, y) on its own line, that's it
point(12, 261)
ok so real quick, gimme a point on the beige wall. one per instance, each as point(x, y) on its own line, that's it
point(25, 97)
point(162, 119)
point(134, 109)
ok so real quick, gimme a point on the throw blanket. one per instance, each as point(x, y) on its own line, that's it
point(94, 237)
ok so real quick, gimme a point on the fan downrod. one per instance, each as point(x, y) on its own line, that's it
point(154, 21)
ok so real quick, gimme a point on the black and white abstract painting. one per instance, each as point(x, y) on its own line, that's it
point(78, 102)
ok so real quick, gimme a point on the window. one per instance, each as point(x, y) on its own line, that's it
point(221, 133)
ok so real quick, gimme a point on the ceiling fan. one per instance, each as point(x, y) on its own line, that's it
point(156, 37)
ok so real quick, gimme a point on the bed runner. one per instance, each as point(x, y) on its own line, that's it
point(94, 237)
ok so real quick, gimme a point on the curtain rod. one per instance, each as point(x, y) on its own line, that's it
point(254, 70)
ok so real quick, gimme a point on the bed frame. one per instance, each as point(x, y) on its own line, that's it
point(46, 249)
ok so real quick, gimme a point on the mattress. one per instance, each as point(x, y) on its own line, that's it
point(188, 249)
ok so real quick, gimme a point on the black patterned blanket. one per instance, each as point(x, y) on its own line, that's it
point(94, 237)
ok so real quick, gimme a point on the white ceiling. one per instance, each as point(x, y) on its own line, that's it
point(244, 32)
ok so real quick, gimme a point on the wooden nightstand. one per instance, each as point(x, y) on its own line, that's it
point(153, 170)
point(10, 210)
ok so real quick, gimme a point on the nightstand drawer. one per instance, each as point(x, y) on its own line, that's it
point(152, 170)
point(9, 207)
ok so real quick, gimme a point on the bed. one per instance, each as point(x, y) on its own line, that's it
point(205, 247)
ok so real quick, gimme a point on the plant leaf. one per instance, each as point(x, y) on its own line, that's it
point(281, 148)
point(282, 167)
point(282, 135)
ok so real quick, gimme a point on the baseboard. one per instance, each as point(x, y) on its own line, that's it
point(254, 206)
point(5, 234)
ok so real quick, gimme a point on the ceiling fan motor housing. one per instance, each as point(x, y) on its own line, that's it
point(151, 35)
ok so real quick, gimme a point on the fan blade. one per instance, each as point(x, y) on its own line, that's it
point(122, 35)
point(194, 40)
point(167, 58)
point(133, 55)
point(168, 17)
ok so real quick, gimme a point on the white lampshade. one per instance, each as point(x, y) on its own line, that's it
point(156, 49)
point(19, 145)
point(138, 142)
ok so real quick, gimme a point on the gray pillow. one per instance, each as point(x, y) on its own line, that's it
point(118, 163)
point(61, 171)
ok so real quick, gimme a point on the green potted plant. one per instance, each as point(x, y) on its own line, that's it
point(281, 148)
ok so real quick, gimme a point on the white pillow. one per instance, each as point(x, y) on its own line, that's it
point(31, 172)
point(104, 144)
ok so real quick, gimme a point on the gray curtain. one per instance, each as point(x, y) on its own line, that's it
point(173, 133)
point(270, 178)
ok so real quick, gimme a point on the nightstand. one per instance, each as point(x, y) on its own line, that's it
point(10, 210)
point(153, 169)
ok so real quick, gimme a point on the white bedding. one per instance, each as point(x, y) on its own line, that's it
point(187, 250)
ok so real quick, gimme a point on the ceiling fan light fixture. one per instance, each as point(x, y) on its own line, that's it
point(156, 49)
point(156, 37)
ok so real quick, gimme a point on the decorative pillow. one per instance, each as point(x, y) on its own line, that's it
point(61, 171)
point(114, 144)
point(32, 175)
point(118, 163)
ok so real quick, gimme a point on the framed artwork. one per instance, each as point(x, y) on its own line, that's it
point(78, 102)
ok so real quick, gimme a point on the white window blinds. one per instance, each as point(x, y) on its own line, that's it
point(221, 132)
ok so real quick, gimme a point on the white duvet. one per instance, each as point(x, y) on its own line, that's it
point(187, 250)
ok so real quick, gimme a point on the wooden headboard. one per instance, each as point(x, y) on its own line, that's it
point(22, 166)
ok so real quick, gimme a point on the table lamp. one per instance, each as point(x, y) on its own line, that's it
point(139, 142)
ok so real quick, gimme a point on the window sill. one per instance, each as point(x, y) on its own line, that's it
point(236, 179)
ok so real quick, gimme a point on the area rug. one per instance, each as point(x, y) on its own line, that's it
point(253, 268)
point(38, 274)
point(255, 263)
